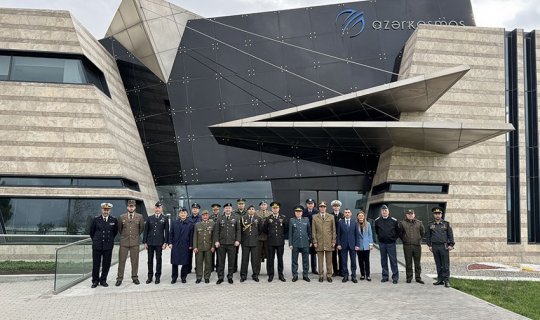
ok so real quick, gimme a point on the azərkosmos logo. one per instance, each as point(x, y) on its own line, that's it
point(355, 23)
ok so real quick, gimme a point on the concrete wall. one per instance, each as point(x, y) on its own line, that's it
point(476, 202)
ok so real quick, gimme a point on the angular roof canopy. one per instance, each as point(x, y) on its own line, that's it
point(152, 31)
point(350, 124)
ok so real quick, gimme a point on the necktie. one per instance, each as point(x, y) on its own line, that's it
point(130, 216)
point(228, 217)
point(250, 219)
point(322, 215)
point(347, 222)
point(105, 219)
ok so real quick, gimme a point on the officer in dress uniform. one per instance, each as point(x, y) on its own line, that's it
point(203, 246)
point(251, 229)
point(263, 213)
point(102, 231)
point(214, 217)
point(130, 227)
point(276, 227)
point(194, 218)
point(440, 240)
point(300, 242)
point(336, 254)
point(226, 239)
point(310, 212)
point(155, 239)
point(240, 211)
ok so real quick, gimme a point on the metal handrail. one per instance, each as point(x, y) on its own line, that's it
point(73, 243)
point(44, 235)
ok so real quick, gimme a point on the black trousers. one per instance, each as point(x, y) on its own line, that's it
point(272, 252)
point(236, 259)
point(313, 259)
point(229, 251)
point(101, 258)
point(183, 272)
point(336, 262)
point(253, 254)
point(412, 253)
point(442, 261)
point(363, 261)
point(157, 250)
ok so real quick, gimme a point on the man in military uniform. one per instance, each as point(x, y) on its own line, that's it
point(194, 218)
point(214, 217)
point(336, 254)
point(323, 235)
point(226, 239)
point(155, 239)
point(387, 230)
point(240, 212)
point(130, 228)
point(276, 227)
point(310, 212)
point(203, 246)
point(102, 231)
point(300, 242)
point(251, 229)
point(440, 240)
point(263, 213)
point(412, 232)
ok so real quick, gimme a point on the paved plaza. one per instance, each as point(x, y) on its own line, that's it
point(263, 300)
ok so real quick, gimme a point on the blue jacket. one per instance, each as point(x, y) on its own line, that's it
point(347, 237)
point(181, 237)
point(365, 238)
point(299, 233)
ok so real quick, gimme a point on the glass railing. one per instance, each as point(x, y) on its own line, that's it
point(42, 239)
point(74, 264)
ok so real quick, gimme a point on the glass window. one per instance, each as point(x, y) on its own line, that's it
point(5, 61)
point(47, 70)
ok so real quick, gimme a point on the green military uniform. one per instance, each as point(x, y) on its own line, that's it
point(203, 241)
point(227, 233)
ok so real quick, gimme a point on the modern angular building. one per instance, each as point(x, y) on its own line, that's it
point(405, 103)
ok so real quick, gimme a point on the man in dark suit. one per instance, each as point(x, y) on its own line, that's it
point(275, 226)
point(347, 244)
point(338, 215)
point(102, 231)
point(310, 212)
point(155, 239)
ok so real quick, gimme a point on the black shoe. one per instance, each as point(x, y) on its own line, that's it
point(183, 280)
point(409, 280)
point(282, 278)
point(157, 281)
point(230, 280)
point(354, 280)
point(136, 281)
point(173, 281)
point(438, 283)
point(315, 272)
point(446, 284)
point(94, 285)
point(198, 281)
point(329, 279)
point(242, 279)
point(321, 279)
point(345, 279)
point(104, 284)
point(384, 280)
point(306, 279)
point(256, 279)
point(206, 280)
point(149, 280)
point(420, 281)
point(368, 278)
point(294, 278)
point(219, 281)
point(270, 278)
point(118, 283)
point(394, 281)
point(362, 278)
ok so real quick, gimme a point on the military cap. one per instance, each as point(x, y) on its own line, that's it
point(204, 212)
point(251, 206)
point(132, 203)
point(437, 210)
point(275, 204)
point(260, 203)
point(228, 204)
point(409, 211)
point(309, 200)
point(215, 205)
point(322, 204)
point(241, 200)
point(158, 204)
point(298, 208)
point(335, 203)
point(195, 205)
point(106, 205)
point(384, 207)
point(182, 209)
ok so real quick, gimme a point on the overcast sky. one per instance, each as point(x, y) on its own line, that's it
point(96, 15)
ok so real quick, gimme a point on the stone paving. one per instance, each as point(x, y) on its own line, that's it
point(263, 300)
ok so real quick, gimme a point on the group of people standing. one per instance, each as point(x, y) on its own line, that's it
point(331, 239)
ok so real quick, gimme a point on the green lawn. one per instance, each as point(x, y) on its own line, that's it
point(521, 297)
point(26, 267)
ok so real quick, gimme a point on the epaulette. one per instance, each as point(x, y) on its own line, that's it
point(377, 218)
point(393, 218)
